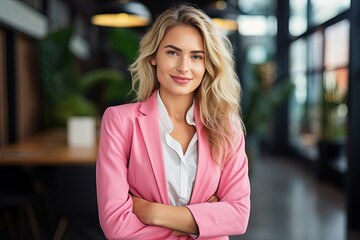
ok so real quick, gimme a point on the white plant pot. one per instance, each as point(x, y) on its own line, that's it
point(81, 131)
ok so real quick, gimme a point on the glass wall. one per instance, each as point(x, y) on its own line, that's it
point(319, 58)
point(305, 14)
point(323, 10)
point(298, 17)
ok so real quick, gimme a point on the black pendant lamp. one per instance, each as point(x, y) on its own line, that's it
point(223, 14)
point(121, 13)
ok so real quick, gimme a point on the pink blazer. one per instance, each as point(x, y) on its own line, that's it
point(130, 159)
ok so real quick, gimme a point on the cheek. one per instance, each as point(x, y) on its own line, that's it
point(200, 71)
point(162, 70)
point(165, 66)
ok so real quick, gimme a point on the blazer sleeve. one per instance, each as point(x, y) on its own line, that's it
point(230, 216)
point(114, 202)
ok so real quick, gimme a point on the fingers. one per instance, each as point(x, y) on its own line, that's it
point(178, 233)
point(213, 199)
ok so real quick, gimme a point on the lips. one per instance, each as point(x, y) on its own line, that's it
point(181, 80)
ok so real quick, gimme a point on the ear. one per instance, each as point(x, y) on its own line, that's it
point(153, 61)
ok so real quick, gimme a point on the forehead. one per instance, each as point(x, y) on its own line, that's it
point(183, 36)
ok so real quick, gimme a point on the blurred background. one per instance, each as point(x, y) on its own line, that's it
point(63, 61)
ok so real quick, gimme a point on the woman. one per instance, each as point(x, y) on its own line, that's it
point(173, 165)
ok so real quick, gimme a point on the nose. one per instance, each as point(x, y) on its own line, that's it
point(183, 65)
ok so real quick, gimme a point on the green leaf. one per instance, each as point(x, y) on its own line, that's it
point(125, 42)
point(263, 105)
point(73, 105)
point(56, 65)
point(115, 85)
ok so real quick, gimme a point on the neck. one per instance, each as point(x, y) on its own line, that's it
point(177, 106)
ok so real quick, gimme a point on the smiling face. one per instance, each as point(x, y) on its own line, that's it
point(180, 61)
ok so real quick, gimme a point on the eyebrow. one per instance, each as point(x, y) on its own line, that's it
point(178, 49)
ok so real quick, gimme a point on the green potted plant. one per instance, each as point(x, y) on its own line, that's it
point(66, 91)
point(263, 98)
point(332, 141)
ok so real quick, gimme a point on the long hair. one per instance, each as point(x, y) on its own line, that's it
point(218, 95)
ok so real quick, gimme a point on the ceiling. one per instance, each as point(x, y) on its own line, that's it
point(247, 7)
point(89, 7)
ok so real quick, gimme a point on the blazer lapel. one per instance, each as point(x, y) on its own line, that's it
point(149, 127)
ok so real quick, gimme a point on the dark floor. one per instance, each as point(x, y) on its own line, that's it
point(288, 203)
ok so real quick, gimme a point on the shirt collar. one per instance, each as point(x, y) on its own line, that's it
point(190, 119)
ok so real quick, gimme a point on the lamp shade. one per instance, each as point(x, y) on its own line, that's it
point(223, 14)
point(122, 14)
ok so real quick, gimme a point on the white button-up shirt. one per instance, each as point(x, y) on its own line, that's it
point(180, 167)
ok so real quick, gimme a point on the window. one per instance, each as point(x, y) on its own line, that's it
point(323, 10)
point(319, 70)
point(298, 17)
point(337, 45)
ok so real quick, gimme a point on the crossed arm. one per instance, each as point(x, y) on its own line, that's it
point(177, 218)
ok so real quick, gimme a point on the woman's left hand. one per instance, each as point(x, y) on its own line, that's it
point(213, 199)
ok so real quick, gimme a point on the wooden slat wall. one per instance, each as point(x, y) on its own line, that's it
point(3, 92)
point(28, 88)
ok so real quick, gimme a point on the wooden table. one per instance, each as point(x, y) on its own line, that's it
point(47, 148)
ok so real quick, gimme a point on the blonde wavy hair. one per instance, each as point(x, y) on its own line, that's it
point(218, 95)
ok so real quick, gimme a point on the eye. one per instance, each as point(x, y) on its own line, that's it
point(197, 57)
point(172, 53)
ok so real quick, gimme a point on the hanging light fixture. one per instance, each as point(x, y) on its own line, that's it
point(122, 13)
point(223, 14)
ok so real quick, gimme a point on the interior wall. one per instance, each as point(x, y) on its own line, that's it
point(27, 87)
